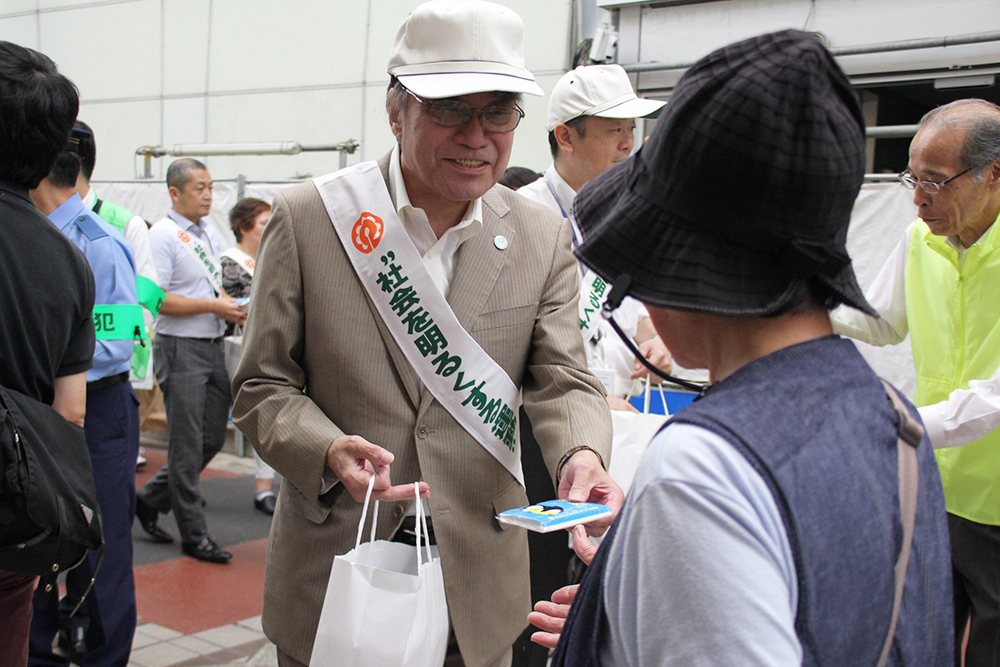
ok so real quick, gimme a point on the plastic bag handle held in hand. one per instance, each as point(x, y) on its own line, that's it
point(364, 512)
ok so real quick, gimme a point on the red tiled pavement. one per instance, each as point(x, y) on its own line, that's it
point(189, 596)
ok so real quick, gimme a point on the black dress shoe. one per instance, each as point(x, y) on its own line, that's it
point(207, 551)
point(147, 517)
point(266, 503)
point(71, 644)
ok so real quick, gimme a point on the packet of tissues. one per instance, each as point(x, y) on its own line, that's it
point(554, 515)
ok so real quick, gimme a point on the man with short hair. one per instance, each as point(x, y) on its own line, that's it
point(46, 349)
point(591, 125)
point(133, 228)
point(940, 285)
point(400, 310)
point(188, 359)
point(100, 633)
point(793, 515)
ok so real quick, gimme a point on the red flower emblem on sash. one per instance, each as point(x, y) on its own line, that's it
point(183, 236)
point(367, 232)
point(249, 263)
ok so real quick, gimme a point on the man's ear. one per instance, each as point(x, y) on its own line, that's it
point(565, 135)
point(992, 176)
point(174, 193)
point(396, 122)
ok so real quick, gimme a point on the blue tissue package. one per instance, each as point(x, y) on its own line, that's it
point(554, 515)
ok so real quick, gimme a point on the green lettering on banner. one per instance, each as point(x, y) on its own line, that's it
point(429, 340)
point(119, 322)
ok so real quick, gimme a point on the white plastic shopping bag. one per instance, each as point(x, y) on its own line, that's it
point(385, 603)
point(233, 347)
point(631, 433)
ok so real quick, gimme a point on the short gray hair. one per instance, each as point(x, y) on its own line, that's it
point(179, 172)
point(981, 120)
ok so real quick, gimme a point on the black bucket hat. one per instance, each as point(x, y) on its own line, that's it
point(744, 190)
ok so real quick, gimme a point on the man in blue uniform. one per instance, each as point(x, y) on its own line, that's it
point(100, 633)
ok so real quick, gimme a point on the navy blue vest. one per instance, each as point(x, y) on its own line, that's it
point(814, 421)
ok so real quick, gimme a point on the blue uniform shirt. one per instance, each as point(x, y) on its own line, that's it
point(111, 261)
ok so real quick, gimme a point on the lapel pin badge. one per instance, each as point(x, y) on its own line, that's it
point(500, 242)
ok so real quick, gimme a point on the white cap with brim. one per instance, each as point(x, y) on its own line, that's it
point(447, 48)
point(596, 90)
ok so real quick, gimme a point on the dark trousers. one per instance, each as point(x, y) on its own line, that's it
point(192, 374)
point(15, 616)
point(975, 555)
point(549, 552)
point(109, 612)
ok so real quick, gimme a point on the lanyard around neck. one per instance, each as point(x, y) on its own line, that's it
point(572, 225)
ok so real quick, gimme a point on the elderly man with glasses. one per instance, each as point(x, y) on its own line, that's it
point(941, 285)
point(403, 309)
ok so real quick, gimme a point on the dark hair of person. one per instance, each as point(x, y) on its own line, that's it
point(518, 177)
point(244, 214)
point(808, 294)
point(179, 172)
point(65, 169)
point(579, 124)
point(37, 108)
point(87, 150)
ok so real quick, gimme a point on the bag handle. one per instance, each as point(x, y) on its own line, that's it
point(364, 512)
point(647, 382)
point(910, 434)
point(421, 527)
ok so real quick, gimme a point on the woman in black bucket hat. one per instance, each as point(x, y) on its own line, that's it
point(765, 525)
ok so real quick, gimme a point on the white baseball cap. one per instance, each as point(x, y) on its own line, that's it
point(596, 90)
point(447, 48)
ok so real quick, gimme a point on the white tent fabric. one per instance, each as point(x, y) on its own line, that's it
point(881, 213)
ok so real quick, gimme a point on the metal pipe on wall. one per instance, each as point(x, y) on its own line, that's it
point(345, 148)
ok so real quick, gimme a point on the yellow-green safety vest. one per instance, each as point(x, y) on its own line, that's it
point(953, 314)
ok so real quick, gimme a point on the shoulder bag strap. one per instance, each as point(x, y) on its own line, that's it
point(910, 434)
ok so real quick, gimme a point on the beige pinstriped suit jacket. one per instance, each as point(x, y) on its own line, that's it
point(319, 363)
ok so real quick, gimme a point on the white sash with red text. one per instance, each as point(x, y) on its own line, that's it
point(474, 389)
point(199, 250)
point(243, 260)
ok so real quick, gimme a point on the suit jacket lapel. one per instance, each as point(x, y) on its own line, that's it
point(479, 262)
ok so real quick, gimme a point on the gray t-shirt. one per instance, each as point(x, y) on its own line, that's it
point(701, 571)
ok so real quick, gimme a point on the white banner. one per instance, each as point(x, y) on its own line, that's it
point(474, 389)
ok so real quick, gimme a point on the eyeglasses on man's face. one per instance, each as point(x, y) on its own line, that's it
point(452, 113)
point(930, 187)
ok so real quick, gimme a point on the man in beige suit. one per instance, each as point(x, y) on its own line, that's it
point(331, 389)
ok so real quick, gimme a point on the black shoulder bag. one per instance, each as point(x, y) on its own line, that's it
point(49, 516)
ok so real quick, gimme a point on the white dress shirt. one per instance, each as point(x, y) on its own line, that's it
point(438, 253)
point(607, 357)
point(181, 274)
point(968, 414)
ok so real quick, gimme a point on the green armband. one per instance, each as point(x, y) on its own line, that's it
point(140, 361)
point(150, 295)
point(119, 322)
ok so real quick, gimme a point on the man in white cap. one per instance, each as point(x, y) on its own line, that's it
point(591, 125)
point(403, 308)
